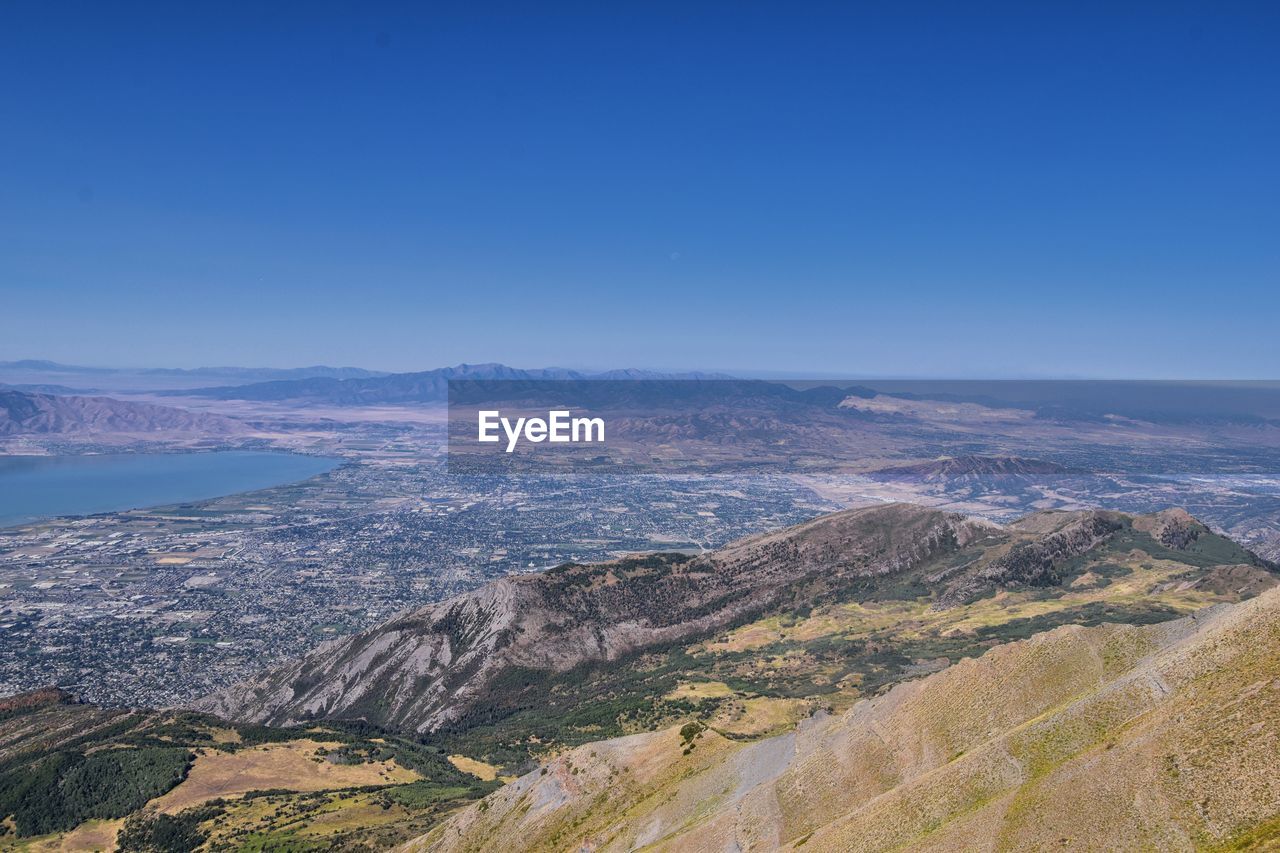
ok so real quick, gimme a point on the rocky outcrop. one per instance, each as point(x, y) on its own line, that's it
point(1174, 528)
point(1038, 562)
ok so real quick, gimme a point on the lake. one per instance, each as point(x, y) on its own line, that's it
point(33, 488)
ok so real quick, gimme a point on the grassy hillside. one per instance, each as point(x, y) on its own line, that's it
point(834, 642)
point(1112, 737)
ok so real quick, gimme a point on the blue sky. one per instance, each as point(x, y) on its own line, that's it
point(1023, 189)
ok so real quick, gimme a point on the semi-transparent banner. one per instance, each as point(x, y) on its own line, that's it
point(1046, 434)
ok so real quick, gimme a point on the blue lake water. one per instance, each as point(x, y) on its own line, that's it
point(33, 488)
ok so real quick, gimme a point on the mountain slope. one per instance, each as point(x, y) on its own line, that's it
point(1113, 737)
point(823, 612)
point(421, 670)
point(22, 413)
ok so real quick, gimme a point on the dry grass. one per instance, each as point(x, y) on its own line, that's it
point(90, 836)
point(696, 690)
point(1115, 737)
point(279, 817)
point(1148, 582)
point(292, 765)
point(760, 716)
point(485, 771)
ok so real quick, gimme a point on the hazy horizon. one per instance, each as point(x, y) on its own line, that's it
point(744, 373)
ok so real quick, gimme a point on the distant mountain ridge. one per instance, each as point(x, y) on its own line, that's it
point(43, 414)
point(31, 374)
point(249, 374)
point(418, 387)
point(45, 388)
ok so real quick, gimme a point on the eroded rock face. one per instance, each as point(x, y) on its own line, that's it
point(1173, 528)
point(1037, 562)
point(1114, 737)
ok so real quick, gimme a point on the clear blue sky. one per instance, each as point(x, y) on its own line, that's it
point(964, 189)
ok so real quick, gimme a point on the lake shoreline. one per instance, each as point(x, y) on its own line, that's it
point(35, 489)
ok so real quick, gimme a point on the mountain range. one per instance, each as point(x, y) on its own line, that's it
point(248, 374)
point(29, 374)
point(1004, 748)
point(881, 678)
point(22, 413)
point(419, 387)
point(1170, 402)
point(431, 666)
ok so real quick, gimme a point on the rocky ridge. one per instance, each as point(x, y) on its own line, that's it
point(432, 667)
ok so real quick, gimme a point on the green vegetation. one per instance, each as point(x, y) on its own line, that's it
point(689, 733)
point(66, 763)
point(372, 817)
point(528, 711)
point(162, 833)
point(420, 795)
point(59, 791)
point(1265, 836)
